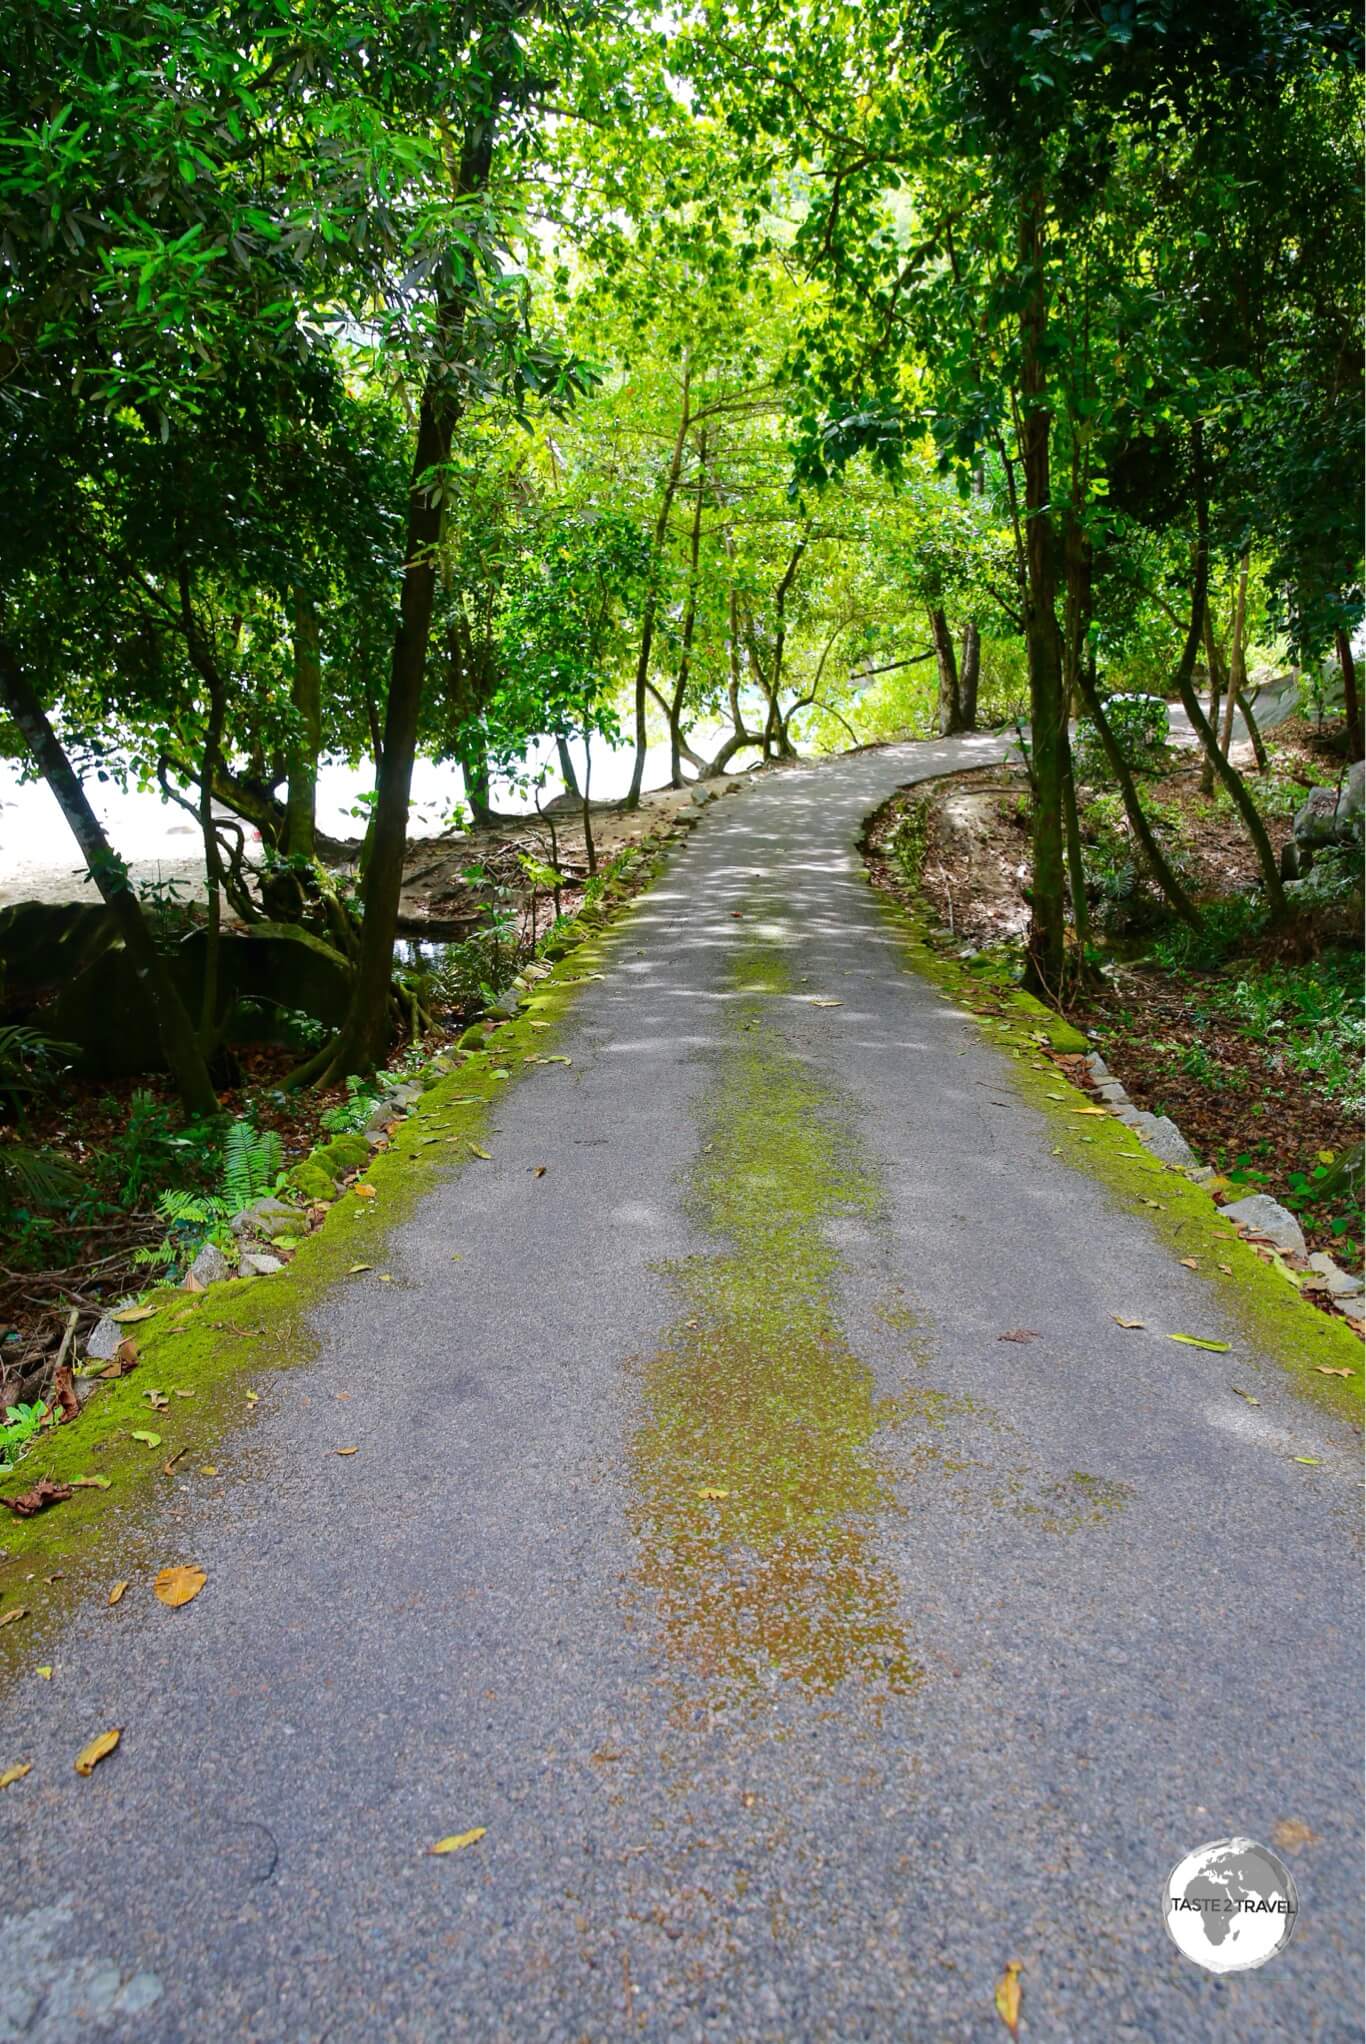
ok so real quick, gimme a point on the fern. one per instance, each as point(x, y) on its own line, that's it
point(39, 1178)
point(252, 1161)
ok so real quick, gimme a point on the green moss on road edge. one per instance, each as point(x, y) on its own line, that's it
point(1279, 1325)
point(222, 1344)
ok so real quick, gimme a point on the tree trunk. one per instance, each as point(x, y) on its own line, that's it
point(1351, 701)
point(567, 773)
point(1237, 659)
point(306, 694)
point(651, 606)
point(110, 875)
point(474, 767)
point(950, 702)
point(1224, 768)
point(1076, 870)
point(1046, 954)
point(969, 674)
point(1214, 660)
point(1254, 733)
point(775, 729)
point(1133, 807)
point(365, 1036)
point(589, 848)
point(689, 625)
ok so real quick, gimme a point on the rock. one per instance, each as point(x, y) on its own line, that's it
point(266, 1217)
point(1339, 1284)
point(381, 1114)
point(1112, 1092)
point(105, 1337)
point(47, 944)
point(1131, 1116)
point(1201, 1174)
point(1097, 1067)
point(472, 1038)
point(344, 1153)
point(1166, 1141)
point(404, 1095)
point(1316, 818)
point(1352, 798)
point(1259, 1214)
point(313, 1182)
point(104, 1010)
point(210, 1267)
point(257, 1264)
point(506, 1003)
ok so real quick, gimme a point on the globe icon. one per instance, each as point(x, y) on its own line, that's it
point(1230, 1905)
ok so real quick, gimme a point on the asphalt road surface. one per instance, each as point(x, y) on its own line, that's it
point(805, 1653)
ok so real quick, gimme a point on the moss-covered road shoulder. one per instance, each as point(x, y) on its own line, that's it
point(204, 1353)
point(1280, 1325)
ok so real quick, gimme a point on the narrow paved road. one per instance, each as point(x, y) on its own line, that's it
point(970, 1642)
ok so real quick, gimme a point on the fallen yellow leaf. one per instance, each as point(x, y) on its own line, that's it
point(1198, 1341)
point(46, 1673)
point(252, 1397)
point(209, 1469)
point(89, 1757)
point(475, 1151)
point(19, 1611)
point(458, 1840)
point(15, 1773)
point(1008, 1997)
point(1324, 1370)
point(709, 1490)
point(178, 1585)
point(359, 1266)
point(1090, 1110)
point(117, 1592)
point(364, 1191)
point(1189, 1263)
point(1120, 1321)
point(1309, 1461)
point(150, 1440)
point(348, 1451)
point(126, 1315)
point(384, 1278)
point(1326, 1156)
point(90, 1482)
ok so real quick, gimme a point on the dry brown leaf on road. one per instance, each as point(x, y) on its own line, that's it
point(1238, 1392)
point(179, 1584)
point(1189, 1263)
point(15, 1773)
point(10, 1617)
point(64, 1392)
point(1008, 1997)
point(458, 1840)
point(1120, 1321)
point(1291, 1833)
point(538, 1170)
point(348, 1451)
point(1326, 1370)
point(117, 1592)
point(89, 1757)
point(1020, 1334)
point(44, 1493)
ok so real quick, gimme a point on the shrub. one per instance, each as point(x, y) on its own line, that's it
point(1141, 726)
